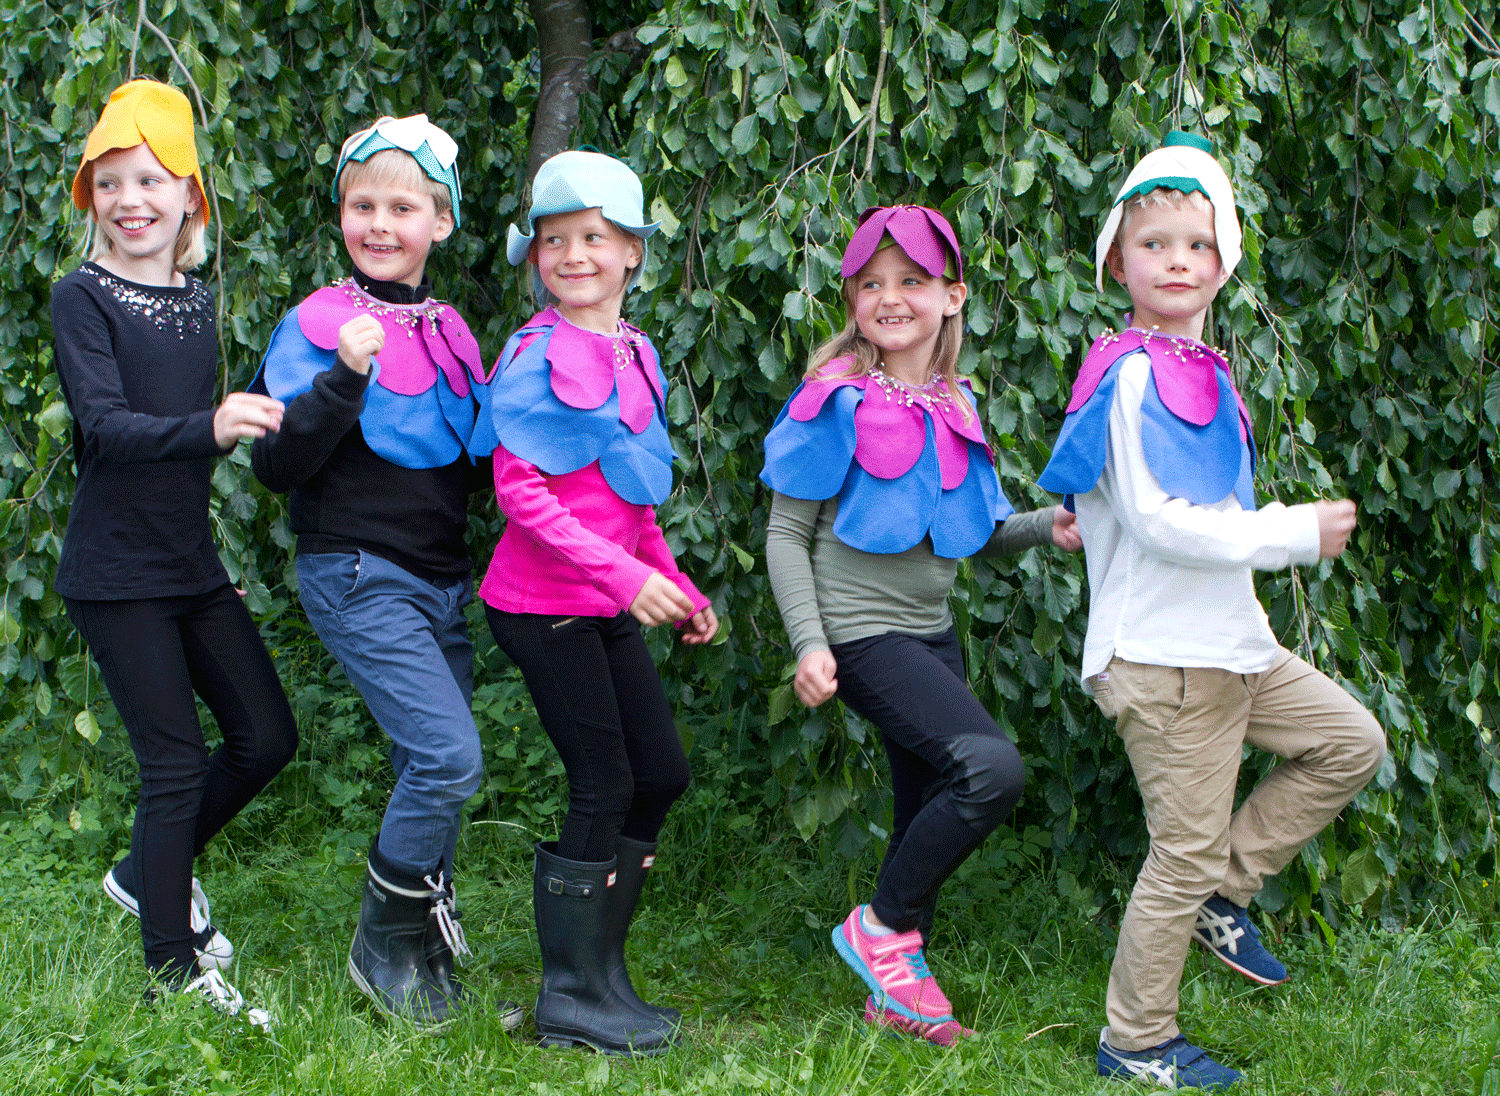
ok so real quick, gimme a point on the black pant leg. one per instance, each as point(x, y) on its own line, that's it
point(233, 673)
point(658, 766)
point(913, 689)
point(138, 646)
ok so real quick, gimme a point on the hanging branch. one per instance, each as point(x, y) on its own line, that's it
point(875, 97)
point(213, 194)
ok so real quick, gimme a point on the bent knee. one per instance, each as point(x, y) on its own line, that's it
point(988, 777)
point(1368, 748)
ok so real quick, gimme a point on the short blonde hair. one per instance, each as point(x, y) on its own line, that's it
point(393, 167)
point(1160, 198)
point(188, 253)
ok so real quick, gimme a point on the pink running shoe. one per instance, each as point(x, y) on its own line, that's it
point(946, 1034)
point(894, 968)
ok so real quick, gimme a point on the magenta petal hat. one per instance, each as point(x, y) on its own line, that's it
point(924, 234)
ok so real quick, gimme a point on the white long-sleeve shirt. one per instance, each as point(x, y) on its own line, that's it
point(1169, 581)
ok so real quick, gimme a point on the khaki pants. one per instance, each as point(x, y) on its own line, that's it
point(1183, 729)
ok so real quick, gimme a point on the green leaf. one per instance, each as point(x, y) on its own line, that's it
point(87, 726)
point(1362, 875)
point(781, 702)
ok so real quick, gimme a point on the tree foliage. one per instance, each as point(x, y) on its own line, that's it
point(1361, 324)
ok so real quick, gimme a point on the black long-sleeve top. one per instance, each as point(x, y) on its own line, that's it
point(138, 366)
point(344, 496)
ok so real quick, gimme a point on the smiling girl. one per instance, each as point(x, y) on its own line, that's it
point(136, 352)
point(883, 482)
point(579, 434)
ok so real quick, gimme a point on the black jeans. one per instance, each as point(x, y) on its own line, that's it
point(954, 773)
point(153, 655)
point(602, 704)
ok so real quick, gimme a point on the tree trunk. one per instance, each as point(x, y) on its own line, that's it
point(565, 34)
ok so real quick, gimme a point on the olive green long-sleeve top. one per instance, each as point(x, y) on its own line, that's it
point(831, 593)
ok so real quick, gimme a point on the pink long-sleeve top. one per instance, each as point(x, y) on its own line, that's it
point(573, 546)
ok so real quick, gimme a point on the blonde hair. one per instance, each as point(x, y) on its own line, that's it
point(393, 167)
point(849, 343)
point(190, 250)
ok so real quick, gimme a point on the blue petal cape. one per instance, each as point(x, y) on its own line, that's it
point(1195, 430)
point(903, 464)
point(561, 398)
point(420, 404)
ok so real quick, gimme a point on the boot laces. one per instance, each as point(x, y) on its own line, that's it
point(445, 906)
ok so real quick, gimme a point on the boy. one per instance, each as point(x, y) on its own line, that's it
point(378, 378)
point(1157, 455)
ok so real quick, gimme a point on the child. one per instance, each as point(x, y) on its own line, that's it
point(882, 482)
point(1157, 456)
point(378, 377)
point(581, 457)
point(136, 353)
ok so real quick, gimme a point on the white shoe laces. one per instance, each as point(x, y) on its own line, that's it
point(445, 905)
point(224, 997)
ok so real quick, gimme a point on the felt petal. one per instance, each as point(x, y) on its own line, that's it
point(583, 368)
point(461, 342)
point(651, 363)
point(322, 314)
point(441, 353)
point(810, 460)
point(952, 453)
point(1083, 443)
point(966, 516)
point(292, 360)
point(1186, 377)
point(890, 436)
point(637, 402)
point(889, 515)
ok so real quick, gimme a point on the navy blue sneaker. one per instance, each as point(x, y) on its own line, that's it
point(1174, 1064)
point(1227, 931)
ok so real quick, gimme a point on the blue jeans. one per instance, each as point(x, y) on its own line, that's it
point(405, 644)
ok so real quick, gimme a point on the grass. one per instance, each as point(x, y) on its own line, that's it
point(736, 936)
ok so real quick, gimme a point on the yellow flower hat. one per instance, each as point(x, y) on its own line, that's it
point(149, 111)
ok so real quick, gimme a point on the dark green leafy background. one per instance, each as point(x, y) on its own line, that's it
point(1361, 324)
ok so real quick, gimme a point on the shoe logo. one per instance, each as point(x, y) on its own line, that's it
point(648, 862)
point(611, 880)
point(1221, 932)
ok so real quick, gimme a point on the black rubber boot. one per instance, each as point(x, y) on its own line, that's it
point(576, 1004)
point(445, 941)
point(388, 958)
point(633, 861)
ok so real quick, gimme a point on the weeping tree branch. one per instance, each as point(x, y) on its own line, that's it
point(565, 37)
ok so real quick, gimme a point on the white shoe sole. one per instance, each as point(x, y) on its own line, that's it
point(216, 952)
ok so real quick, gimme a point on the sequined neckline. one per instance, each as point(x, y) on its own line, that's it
point(408, 315)
point(186, 309)
point(934, 393)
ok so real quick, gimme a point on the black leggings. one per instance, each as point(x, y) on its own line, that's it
point(954, 774)
point(154, 654)
point(601, 703)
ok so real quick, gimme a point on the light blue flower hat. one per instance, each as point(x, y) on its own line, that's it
point(433, 150)
point(582, 179)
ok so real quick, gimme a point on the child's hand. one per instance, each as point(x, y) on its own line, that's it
point(702, 627)
point(359, 340)
point(245, 415)
point(660, 602)
point(815, 682)
point(1335, 524)
point(1065, 529)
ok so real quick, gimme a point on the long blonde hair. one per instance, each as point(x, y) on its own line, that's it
point(849, 343)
